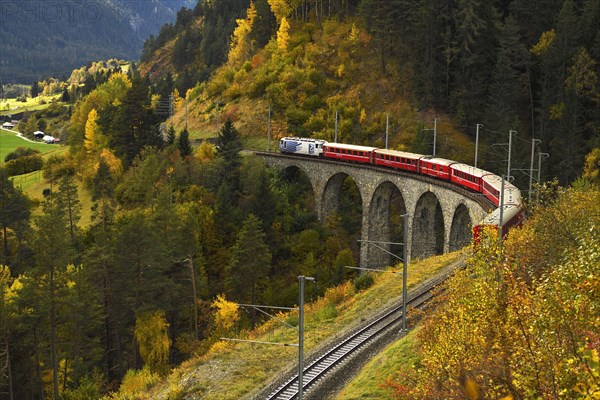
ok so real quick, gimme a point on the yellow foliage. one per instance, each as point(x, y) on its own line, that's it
point(120, 79)
point(522, 320)
point(114, 163)
point(226, 315)
point(135, 384)
point(543, 45)
point(363, 117)
point(283, 35)
point(591, 169)
point(155, 101)
point(219, 346)
point(91, 130)
point(354, 34)
point(241, 46)
point(280, 8)
point(178, 102)
point(153, 340)
point(206, 151)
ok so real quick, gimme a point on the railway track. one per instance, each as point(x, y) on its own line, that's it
point(344, 349)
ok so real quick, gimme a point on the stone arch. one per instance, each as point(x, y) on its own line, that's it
point(299, 177)
point(460, 231)
point(331, 193)
point(385, 224)
point(342, 186)
point(427, 227)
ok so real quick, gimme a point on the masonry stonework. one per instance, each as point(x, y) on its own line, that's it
point(440, 215)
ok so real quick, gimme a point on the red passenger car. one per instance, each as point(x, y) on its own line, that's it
point(467, 176)
point(436, 167)
point(349, 152)
point(397, 159)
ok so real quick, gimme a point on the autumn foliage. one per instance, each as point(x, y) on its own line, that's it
point(521, 321)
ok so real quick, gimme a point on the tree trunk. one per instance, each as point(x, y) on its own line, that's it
point(6, 259)
point(38, 363)
point(194, 296)
point(53, 334)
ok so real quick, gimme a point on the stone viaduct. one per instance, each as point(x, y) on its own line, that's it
point(440, 214)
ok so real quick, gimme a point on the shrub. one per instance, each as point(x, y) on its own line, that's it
point(135, 383)
point(20, 152)
point(363, 282)
point(329, 311)
point(24, 165)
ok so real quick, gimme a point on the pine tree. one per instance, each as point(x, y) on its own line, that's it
point(171, 136)
point(185, 147)
point(15, 210)
point(135, 124)
point(509, 83)
point(35, 89)
point(250, 262)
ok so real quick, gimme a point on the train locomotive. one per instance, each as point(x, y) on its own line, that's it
point(464, 175)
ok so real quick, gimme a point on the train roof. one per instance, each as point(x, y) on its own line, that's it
point(398, 153)
point(302, 139)
point(350, 146)
point(439, 161)
point(496, 182)
point(509, 212)
point(469, 169)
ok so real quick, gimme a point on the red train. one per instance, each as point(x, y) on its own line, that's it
point(464, 175)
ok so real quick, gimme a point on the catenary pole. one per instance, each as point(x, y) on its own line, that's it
point(269, 130)
point(477, 142)
point(404, 271)
point(387, 129)
point(301, 280)
point(510, 133)
point(336, 126)
point(434, 134)
point(533, 143)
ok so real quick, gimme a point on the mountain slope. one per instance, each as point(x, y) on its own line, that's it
point(40, 39)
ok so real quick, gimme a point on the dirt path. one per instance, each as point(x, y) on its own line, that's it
point(19, 134)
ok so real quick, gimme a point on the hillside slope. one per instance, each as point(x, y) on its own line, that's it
point(520, 325)
point(40, 39)
point(318, 73)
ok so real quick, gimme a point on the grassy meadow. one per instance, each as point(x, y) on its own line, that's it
point(14, 106)
point(9, 141)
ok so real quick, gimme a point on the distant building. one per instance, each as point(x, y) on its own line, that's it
point(39, 135)
point(8, 125)
point(48, 139)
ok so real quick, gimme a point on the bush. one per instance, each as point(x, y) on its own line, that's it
point(326, 313)
point(20, 152)
point(363, 282)
point(24, 165)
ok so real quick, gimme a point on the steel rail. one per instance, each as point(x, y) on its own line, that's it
point(346, 347)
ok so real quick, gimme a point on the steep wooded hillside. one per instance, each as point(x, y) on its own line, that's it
point(50, 38)
point(502, 66)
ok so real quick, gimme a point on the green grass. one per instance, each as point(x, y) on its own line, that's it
point(259, 143)
point(12, 106)
point(9, 142)
point(33, 185)
point(370, 383)
point(235, 370)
